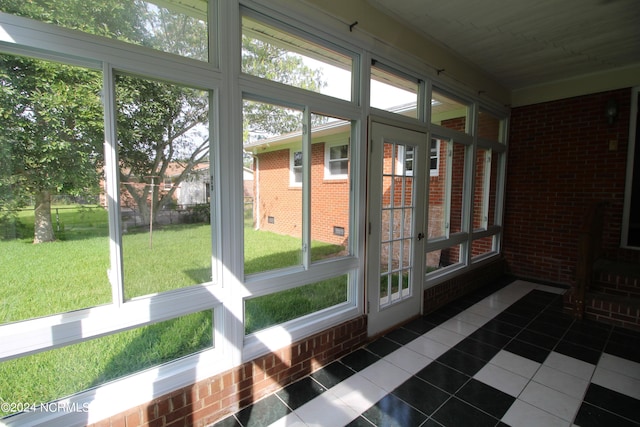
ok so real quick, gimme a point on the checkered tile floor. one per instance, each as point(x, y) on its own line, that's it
point(506, 355)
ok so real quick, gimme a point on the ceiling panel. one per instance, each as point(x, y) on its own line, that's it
point(524, 43)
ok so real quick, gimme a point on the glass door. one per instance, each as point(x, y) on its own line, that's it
point(395, 231)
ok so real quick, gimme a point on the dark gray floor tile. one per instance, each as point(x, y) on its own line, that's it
point(420, 325)
point(393, 412)
point(476, 348)
point(402, 336)
point(537, 339)
point(592, 340)
point(300, 392)
point(332, 374)
point(443, 377)
point(421, 395)
point(491, 338)
point(228, 422)
point(462, 362)
point(617, 403)
point(592, 416)
point(585, 354)
point(458, 413)
point(484, 397)
point(530, 351)
point(382, 346)
point(263, 412)
point(498, 327)
point(359, 359)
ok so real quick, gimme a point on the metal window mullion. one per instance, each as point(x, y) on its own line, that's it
point(306, 189)
point(486, 190)
point(116, 272)
point(447, 195)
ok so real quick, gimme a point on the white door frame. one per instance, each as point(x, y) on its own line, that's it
point(394, 290)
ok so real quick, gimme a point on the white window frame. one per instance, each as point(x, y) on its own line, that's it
point(328, 160)
point(292, 168)
point(436, 171)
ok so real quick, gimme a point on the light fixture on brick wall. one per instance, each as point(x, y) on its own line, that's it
point(612, 110)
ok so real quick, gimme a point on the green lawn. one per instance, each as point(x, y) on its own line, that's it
point(71, 274)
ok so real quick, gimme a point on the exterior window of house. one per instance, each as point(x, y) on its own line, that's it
point(162, 128)
point(274, 220)
point(434, 157)
point(298, 62)
point(171, 26)
point(449, 111)
point(394, 92)
point(336, 161)
point(296, 168)
point(53, 223)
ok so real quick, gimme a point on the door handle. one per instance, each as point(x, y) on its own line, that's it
point(420, 236)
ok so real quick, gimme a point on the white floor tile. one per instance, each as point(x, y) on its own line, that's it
point(473, 318)
point(428, 347)
point(569, 365)
point(326, 409)
point(290, 420)
point(444, 336)
point(620, 365)
point(562, 382)
point(408, 360)
point(550, 400)
point(385, 375)
point(617, 382)
point(516, 364)
point(459, 327)
point(357, 392)
point(552, 289)
point(501, 379)
point(521, 414)
point(487, 309)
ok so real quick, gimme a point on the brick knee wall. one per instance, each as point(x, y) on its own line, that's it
point(456, 287)
point(209, 400)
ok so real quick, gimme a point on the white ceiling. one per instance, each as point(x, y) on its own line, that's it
point(524, 43)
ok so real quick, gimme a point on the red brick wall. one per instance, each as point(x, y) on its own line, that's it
point(559, 160)
point(276, 198)
point(214, 398)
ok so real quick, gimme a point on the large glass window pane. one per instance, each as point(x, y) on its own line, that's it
point(394, 93)
point(438, 189)
point(448, 111)
point(54, 245)
point(273, 146)
point(283, 57)
point(482, 246)
point(270, 310)
point(58, 373)
point(172, 26)
point(490, 126)
point(163, 136)
point(458, 152)
point(442, 258)
point(330, 187)
point(481, 189)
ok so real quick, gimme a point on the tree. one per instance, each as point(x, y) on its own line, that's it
point(162, 133)
point(52, 133)
point(52, 130)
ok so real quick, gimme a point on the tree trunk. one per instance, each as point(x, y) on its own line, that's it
point(43, 227)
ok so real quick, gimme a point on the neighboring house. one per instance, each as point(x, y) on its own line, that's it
point(278, 182)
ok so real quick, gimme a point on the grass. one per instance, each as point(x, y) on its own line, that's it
point(71, 274)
